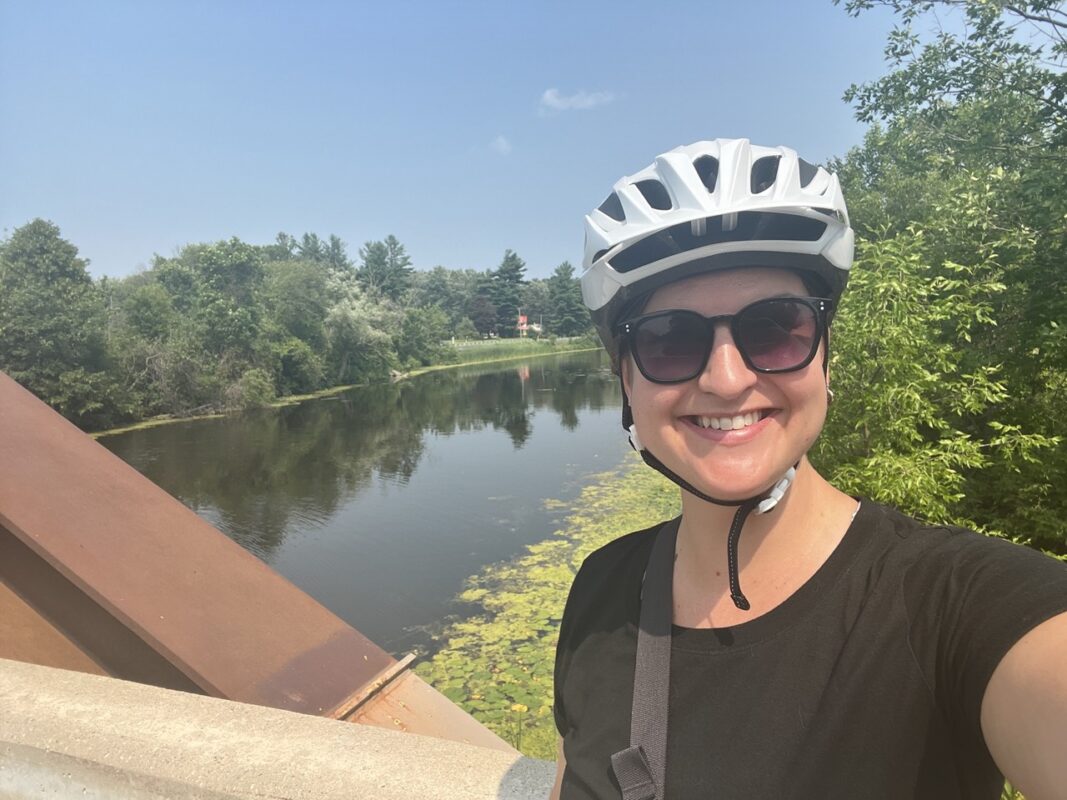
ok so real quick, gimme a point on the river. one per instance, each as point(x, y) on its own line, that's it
point(380, 501)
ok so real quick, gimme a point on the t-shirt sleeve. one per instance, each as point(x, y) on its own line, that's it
point(564, 649)
point(969, 602)
point(602, 594)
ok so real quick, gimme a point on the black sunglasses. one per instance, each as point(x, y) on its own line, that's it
point(778, 334)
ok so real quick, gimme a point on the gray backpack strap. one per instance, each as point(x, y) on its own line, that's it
point(641, 768)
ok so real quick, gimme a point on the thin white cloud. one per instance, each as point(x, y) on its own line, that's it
point(552, 100)
point(501, 145)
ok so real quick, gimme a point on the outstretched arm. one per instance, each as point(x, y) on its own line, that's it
point(1024, 712)
point(561, 765)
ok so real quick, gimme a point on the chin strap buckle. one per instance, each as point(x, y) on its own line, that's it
point(776, 494)
point(635, 442)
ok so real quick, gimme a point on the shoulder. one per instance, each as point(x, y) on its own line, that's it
point(948, 574)
point(620, 552)
point(620, 561)
point(608, 582)
point(603, 604)
point(968, 598)
point(958, 590)
point(955, 557)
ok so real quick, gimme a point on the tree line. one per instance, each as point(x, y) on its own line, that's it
point(229, 324)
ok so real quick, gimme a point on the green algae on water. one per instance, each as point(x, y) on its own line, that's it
point(498, 664)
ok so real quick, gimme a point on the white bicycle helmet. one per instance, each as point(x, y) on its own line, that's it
point(708, 206)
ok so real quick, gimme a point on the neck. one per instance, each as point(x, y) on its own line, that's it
point(778, 551)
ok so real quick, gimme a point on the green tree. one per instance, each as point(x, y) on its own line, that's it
point(254, 389)
point(1008, 56)
point(149, 312)
point(52, 326)
point(335, 253)
point(465, 329)
point(505, 290)
point(283, 248)
point(230, 311)
point(567, 313)
point(296, 297)
point(481, 307)
point(360, 348)
point(311, 247)
point(981, 113)
point(903, 427)
point(421, 338)
point(386, 268)
point(451, 290)
point(217, 291)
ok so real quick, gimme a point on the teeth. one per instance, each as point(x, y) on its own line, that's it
point(729, 423)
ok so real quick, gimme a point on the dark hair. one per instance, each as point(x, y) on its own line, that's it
point(814, 283)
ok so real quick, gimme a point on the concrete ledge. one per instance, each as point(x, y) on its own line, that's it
point(71, 734)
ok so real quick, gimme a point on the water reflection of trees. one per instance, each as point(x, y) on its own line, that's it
point(259, 475)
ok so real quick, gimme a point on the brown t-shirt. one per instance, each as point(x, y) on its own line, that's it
point(867, 682)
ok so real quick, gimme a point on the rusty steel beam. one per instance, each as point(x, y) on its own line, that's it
point(102, 571)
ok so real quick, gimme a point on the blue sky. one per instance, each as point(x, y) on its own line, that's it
point(463, 128)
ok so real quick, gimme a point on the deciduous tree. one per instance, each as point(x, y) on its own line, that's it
point(52, 323)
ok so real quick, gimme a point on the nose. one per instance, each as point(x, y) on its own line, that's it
point(726, 374)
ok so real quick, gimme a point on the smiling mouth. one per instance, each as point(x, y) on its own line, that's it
point(733, 423)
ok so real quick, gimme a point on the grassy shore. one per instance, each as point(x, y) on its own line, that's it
point(489, 351)
point(478, 352)
point(498, 664)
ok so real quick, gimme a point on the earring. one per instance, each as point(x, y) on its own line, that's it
point(829, 396)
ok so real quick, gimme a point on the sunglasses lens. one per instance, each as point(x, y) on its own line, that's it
point(672, 347)
point(777, 335)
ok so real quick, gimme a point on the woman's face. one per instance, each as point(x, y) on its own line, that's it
point(788, 408)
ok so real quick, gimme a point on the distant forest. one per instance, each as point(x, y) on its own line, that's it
point(231, 325)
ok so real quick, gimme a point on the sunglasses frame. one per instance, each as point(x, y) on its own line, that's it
point(822, 307)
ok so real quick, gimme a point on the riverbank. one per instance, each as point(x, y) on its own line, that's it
point(481, 352)
point(502, 350)
point(498, 664)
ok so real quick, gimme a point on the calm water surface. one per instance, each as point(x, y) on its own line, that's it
point(380, 501)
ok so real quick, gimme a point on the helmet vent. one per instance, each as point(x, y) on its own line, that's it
point(707, 168)
point(807, 172)
point(655, 194)
point(613, 208)
point(831, 212)
point(764, 172)
point(748, 226)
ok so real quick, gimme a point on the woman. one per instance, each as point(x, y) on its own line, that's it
point(781, 639)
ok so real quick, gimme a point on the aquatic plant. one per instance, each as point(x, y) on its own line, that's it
point(498, 663)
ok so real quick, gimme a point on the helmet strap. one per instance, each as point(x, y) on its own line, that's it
point(761, 503)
